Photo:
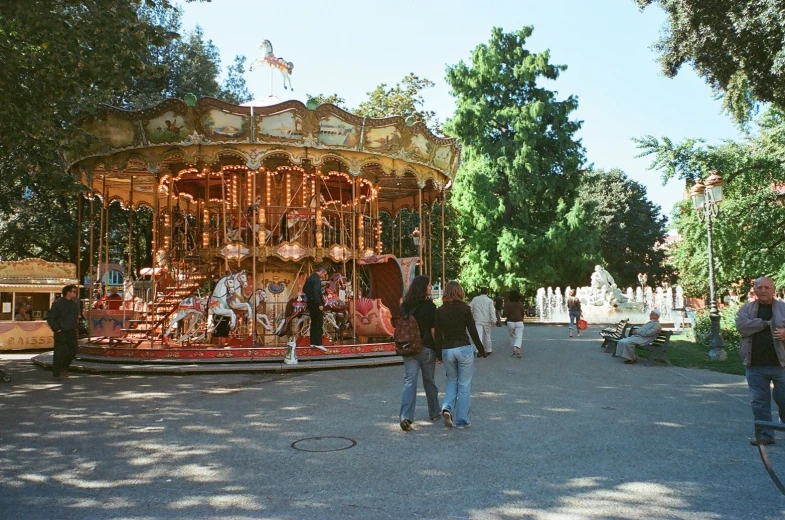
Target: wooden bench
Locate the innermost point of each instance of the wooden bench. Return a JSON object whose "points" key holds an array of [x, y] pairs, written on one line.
{"points": [[659, 348], [611, 335]]}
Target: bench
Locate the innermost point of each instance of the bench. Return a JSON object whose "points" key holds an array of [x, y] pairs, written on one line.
{"points": [[611, 335], [659, 347]]}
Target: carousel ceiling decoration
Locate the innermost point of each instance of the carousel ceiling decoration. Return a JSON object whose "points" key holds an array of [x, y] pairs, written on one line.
{"points": [[213, 135]]}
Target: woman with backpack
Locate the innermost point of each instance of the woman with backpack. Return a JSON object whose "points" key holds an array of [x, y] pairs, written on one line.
{"points": [[453, 320], [417, 303]]}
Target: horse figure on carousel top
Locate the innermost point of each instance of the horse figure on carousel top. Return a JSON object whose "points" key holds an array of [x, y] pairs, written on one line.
{"points": [[269, 59]]}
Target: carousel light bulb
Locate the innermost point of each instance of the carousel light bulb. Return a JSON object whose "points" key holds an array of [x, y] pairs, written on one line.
{"points": [[267, 189], [205, 239]]}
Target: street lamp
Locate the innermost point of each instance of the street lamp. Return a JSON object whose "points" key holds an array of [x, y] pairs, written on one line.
{"points": [[416, 238], [706, 200], [642, 279]]}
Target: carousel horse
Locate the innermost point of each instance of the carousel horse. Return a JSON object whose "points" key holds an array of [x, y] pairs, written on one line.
{"points": [[192, 307], [269, 59], [227, 297], [260, 306]]}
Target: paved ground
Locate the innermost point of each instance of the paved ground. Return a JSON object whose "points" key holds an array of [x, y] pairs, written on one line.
{"points": [[566, 432]]}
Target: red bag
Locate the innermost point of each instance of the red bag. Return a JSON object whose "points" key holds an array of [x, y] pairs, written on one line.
{"points": [[582, 324]]}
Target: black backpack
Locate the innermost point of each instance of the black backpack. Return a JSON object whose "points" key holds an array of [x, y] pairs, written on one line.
{"points": [[407, 336]]}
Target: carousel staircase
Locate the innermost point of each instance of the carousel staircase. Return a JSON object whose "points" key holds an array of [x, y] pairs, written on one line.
{"points": [[150, 325]]}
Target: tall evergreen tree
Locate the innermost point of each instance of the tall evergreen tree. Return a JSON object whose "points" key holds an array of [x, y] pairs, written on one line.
{"points": [[631, 227], [515, 191]]}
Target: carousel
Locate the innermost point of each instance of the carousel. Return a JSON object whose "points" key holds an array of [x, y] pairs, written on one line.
{"points": [[247, 201]]}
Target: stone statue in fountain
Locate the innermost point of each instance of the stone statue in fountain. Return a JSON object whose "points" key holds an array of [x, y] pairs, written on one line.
{"points": [[603, 289]]}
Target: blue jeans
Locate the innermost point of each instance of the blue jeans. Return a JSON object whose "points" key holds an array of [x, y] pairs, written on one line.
{"points": [[459, 365], [574, 317], [425, 361], [759, 379]]}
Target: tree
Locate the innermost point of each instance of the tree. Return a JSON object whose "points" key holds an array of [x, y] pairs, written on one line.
{"points": [[404, 99], [747, 235], [515, 190], [737, 46], [332, 99], [62, 62], [630, 226]]}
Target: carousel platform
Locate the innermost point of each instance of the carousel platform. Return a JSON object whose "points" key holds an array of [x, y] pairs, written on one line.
{"points": [[107, 359]]}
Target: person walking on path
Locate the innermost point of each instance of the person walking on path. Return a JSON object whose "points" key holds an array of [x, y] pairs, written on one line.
{"points": [[514, 311], [315, 302], [453, 320], [63, 319], [484, 313], [498, 303], [418, 304], [644, 334], [574, 310], [761, 324]]}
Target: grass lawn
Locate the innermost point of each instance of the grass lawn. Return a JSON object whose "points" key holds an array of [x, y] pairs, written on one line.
{"points": [[684, 352]]}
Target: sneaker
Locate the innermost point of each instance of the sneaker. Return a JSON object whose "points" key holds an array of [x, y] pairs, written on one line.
{"points": [[464, 426], [65, 374], [438, 415], [519, 354], [406, 425], [763, 442], [447, 418], [570, 332], [57, 377]]}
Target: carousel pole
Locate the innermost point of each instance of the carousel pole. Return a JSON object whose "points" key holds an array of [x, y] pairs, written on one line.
{"points": [[354, 259], [106, 228], [430, 242], [443, 260], [254, 216], [420, 227], [130, 228], [206, 209], [101, 228], [92, 276], [78, 236], [223, 212], [154, 242]]}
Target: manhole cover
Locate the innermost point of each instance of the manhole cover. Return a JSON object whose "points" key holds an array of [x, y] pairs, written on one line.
{"points": [[324, 444]]}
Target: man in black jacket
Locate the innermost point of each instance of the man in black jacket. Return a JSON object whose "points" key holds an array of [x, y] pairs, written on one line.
{"points": [[63, 318], [313, 294]]}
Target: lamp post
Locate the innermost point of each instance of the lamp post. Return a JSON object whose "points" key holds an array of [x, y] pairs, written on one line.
{"points": [[706, 199], [642, 279]]}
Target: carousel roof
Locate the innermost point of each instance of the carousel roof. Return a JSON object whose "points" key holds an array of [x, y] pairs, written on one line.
{"points": [[132, 150]]}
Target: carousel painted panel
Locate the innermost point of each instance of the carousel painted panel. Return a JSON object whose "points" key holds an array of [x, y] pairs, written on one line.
{"points": [[286, 125], [167, 128], [419, 148], [218, 125], [386, 139], [443, 158], [35, 268], [111, 133], [25, 335], [336, 132]]}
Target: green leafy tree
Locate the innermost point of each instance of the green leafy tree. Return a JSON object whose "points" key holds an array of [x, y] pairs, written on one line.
{"points": [[333, 99], [631, 227], [404, 99], [737, 46], [61, 61], [515, 191], [747, 234]]}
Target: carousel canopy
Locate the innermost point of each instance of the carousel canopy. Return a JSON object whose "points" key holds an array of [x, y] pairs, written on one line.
{"points": [[132, 151]]}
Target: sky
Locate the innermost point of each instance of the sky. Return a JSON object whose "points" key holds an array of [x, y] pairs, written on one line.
{"points": [[350, 47]]}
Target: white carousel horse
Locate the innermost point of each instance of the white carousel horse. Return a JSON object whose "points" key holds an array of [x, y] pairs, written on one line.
{"points": [[227, 297], [269, 59]]}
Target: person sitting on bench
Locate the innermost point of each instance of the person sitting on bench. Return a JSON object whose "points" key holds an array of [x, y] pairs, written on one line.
{"points": [[644, 334]]}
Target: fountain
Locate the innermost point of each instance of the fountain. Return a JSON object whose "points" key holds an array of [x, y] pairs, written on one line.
{"points": [[602, 302]]}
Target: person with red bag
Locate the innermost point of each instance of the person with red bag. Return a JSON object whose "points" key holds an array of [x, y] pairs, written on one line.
{"points": [[575, 311]]}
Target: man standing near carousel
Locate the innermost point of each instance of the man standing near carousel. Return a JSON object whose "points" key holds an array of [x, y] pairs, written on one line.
{"points": [[313, 294], [63, 320]]}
